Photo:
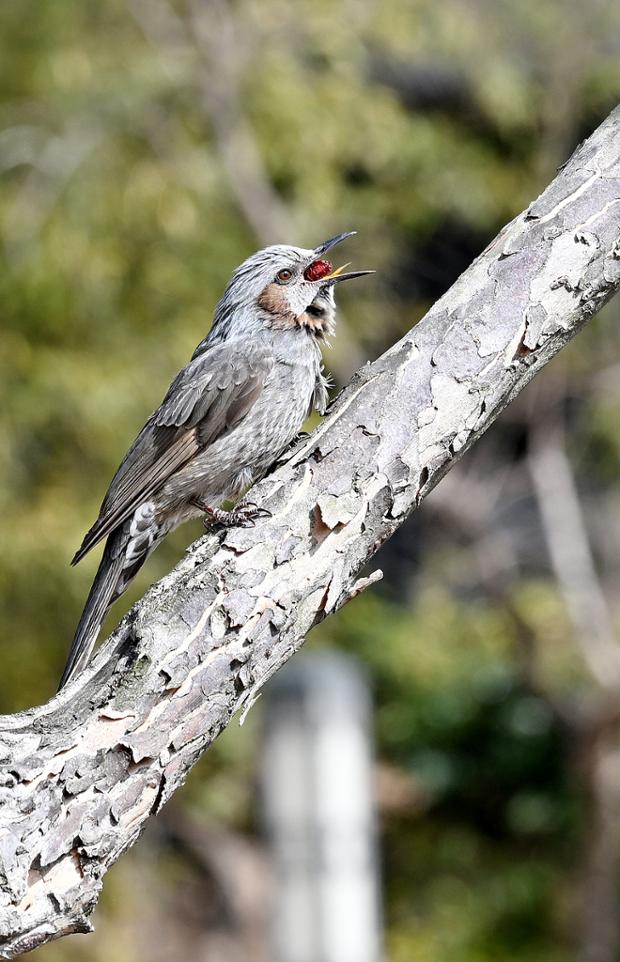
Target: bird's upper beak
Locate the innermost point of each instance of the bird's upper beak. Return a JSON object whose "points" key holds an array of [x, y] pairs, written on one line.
{"points": [[338, 274], [328, 244]]}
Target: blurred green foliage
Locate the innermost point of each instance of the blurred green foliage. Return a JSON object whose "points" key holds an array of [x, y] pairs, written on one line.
{"points": [[424, 126]]}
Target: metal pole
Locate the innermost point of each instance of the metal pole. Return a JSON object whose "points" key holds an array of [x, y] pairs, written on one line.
{"points": [[319, 812]]}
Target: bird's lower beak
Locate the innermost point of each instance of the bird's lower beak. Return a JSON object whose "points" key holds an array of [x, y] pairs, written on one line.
{"points": [[328, 244], [339, 275]]}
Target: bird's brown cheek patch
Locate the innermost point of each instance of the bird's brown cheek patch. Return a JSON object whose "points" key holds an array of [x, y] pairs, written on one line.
{"points": [[274, 301]]}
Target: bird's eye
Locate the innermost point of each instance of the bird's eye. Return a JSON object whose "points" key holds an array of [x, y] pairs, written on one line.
{"points": [[284, 276]]}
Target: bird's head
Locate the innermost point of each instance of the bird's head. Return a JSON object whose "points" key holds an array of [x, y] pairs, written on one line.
{"points": [[283, 288]]}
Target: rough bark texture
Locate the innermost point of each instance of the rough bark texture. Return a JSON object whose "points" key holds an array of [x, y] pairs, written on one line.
{"points": [[80, 775]]}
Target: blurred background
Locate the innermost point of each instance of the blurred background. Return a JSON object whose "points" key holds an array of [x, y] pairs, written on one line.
{"points": [[146, 148]]}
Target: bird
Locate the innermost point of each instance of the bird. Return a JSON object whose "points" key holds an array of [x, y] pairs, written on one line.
{"points": [[226, 418]]}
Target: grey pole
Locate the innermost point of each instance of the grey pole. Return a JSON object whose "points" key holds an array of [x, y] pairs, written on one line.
{"points": [[319, 812]]}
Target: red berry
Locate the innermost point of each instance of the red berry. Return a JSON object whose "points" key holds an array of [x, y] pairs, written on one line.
{"points": [[317, 269]]}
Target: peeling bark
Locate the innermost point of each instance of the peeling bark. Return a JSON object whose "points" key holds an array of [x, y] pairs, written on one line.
{"points": [[80, 775]]}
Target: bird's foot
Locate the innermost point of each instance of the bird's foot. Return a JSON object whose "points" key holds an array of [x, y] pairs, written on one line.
{"points": [[244, 515]]}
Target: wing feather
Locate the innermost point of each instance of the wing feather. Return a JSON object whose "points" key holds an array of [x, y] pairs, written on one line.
{"points": [[209, 397]]}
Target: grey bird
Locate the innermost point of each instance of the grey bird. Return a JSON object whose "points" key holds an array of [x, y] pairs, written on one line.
{"points": [[227, 416]]}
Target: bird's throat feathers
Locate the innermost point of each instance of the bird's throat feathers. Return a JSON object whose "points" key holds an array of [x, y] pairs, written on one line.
{"points": [[315, 320]]}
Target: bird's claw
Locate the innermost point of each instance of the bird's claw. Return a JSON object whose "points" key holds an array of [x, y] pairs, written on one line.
{"points": [[243, 516], [248, 513]]}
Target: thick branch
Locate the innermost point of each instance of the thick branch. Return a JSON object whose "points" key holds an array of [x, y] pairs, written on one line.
{"points": [[80, 776]]}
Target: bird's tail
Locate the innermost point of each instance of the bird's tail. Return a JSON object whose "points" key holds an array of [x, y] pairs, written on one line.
{"points": [[110, 582]]}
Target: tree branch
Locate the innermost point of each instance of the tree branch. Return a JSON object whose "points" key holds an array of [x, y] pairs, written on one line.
{"points": [[80, 775], [570, 552]]}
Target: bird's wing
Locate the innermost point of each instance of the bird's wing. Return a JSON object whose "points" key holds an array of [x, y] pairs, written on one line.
{"points": [[208, 398]]}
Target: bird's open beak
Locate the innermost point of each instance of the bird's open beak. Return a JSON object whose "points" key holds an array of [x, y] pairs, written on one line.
{"points": [[338, 275]]}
